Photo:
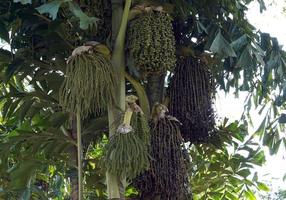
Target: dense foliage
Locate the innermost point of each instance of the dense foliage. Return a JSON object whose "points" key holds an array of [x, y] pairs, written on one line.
{"points": [[38, 138]]}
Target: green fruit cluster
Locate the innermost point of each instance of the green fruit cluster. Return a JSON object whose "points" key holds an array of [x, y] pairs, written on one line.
{"points": [[151, 43], [141, 127], [126, 155], [88, 85]]}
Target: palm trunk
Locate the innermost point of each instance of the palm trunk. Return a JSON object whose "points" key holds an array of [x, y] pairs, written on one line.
{"points": [[115, 187]]}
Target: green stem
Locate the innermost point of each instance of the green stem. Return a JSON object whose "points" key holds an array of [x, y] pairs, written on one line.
{"points": [[65, 132], [127, 116], [120, 40], [79, 156], [114, 111]]}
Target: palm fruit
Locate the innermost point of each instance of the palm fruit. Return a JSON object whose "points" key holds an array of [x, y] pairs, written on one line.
{"points": [[89, 81], [141, 127], [191, 98], [167, 178], [151, 42], [126, 154]]}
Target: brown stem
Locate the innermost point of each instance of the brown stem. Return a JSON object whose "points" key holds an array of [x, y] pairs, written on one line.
{"points": [[74, 187], [73, 174], [155, 88]]}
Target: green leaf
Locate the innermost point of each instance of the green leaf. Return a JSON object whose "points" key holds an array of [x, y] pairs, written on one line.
{"points": [[262, 5], [263, 187], [51, 8], [5, 56], [259, 54], [268, 138], [249, 195], [26, 194], [265, 41], [84, 20], [54, 81], [13, 107], [261, 129], [221, 46], [4, 33], [34, 110], [58, 119], [231, 196], [244, 173], [245, 58], [255, 177], [258, 158], [201, 28], [240, 42], [97, 125], [6, 107], [275, 148], [22, 173], [14, 67], [23, 110], [23, 1]]}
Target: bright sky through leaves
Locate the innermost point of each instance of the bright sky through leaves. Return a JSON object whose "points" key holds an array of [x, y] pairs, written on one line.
{"points": [[271, 21]]}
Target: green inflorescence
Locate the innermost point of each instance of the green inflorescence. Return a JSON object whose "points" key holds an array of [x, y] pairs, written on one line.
{"points": [[140, 123], [152, 42], [88, 85], [126, 155]]}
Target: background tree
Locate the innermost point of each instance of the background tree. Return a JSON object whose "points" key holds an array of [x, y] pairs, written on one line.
{"points": [[215, 45]]}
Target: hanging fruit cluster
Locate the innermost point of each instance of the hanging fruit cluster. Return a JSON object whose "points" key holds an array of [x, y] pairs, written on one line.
{"points": [[89, 81], [141, 127], [167, 177], [126, 154], [191, 98], [151, 42]]}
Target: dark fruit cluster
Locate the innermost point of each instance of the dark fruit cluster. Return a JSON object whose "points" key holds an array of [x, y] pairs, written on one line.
{"points": [[191, 99], [168, 176]]}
